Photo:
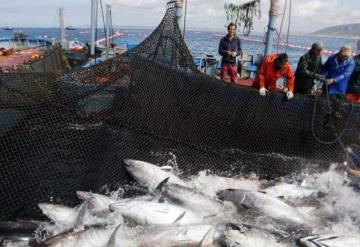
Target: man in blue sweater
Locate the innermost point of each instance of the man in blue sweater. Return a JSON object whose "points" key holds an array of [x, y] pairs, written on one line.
{"points": [[337, 71], [229, 49]]}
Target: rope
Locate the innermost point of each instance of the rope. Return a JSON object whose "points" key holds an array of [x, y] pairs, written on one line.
{"points": [[338, 136], [289, 27], [103, 18]]}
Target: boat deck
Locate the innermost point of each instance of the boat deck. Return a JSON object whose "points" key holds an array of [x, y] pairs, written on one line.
{"points": [[18, 57]]}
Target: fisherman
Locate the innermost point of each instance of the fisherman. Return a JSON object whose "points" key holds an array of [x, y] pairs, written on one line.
{"points": [[353, 93], [229, 49], [273, 68], [309, 69], [337, 71]]}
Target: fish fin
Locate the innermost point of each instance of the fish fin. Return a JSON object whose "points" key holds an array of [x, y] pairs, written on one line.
{"points": [[79, 221], [207, 240], [161, 184], [111, 242], [179, 218]]}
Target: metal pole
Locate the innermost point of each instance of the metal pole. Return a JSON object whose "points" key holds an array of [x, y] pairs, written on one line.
{"points": [[108, 20], [179, 14], [62, 29], [93, 30], [273, 14], [185, 15]]}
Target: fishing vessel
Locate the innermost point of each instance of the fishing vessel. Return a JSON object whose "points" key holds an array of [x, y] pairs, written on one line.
{"points": [[20, 49], [8, 28], [70, 28]]}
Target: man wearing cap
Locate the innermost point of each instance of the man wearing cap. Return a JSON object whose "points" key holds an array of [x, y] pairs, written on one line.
{"points": [[309, 69], [337, 71]]}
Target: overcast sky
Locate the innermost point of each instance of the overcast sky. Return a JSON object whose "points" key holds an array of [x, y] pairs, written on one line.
{"points": [[308, 15]]}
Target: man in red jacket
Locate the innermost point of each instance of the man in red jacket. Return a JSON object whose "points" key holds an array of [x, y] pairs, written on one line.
{"points": [[272, 68]]}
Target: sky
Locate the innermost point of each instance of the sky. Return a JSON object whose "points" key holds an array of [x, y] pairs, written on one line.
{"points": [[308, 15]]}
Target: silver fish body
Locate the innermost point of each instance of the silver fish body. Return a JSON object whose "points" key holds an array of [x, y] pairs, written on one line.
{"points": [[92, 237], [145, 212], [247, 236], [264, 204], [59, 214], [290, 191], [165, 236], [97, 204]]}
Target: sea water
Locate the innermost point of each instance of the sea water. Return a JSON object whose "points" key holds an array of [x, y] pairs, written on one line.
{"points": [[336, 211]]}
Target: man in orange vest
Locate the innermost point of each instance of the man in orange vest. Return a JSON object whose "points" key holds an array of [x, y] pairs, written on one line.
{"points": [[272, 68]]}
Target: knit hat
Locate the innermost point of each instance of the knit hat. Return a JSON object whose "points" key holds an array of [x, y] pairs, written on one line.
{"points": [[317, 46]]}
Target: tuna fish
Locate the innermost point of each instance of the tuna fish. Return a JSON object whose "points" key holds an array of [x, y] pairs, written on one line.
{"points": [[264, 204], [248, 236], [165, 236], [150, 175], [329, 241], [193, 200], [210, 184], [144, 212], [97, 204], [60, 214], [290, 191], [148, 236], [92, 237]]}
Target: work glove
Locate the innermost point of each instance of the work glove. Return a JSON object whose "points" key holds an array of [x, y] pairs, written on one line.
{"points": [[263, 91], [289, 95]]}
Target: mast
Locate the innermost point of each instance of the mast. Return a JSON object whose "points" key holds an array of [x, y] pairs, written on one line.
{"points": [[179, 14], [108, 20], [94, 4], [63, 41], [273, 14]]}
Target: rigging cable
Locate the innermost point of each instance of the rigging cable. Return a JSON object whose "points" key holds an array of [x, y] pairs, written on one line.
{"points": [[281, 26], [289, 27]]}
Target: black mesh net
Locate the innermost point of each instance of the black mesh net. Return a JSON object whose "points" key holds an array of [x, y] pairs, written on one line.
{"points": [[70, 130]]}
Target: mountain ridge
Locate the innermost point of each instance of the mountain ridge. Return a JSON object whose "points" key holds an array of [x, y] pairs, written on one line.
{"points": [[348, 31]]}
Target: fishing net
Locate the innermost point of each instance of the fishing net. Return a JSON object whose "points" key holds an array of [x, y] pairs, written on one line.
{"points": [[70, 130]]}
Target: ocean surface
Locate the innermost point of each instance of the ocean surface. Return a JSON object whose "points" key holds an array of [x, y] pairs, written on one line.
{"points": [[199, 42]]}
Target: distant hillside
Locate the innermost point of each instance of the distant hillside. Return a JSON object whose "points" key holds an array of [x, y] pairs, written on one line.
{"points": [[349, 31]]}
